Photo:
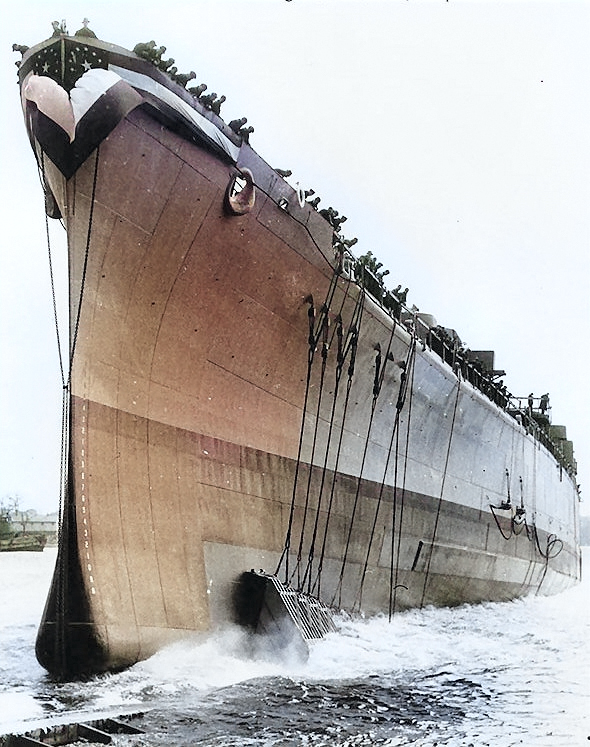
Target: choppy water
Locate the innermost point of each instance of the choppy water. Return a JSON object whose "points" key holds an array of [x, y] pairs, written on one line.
{"points": [[495, 674]]}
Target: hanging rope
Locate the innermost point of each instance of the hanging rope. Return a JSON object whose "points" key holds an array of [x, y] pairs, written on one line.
{"points": [[63, 529], [553, 544], [440, 499], [313, 337], [505, 535], [377, 387], [341, 357], [52, 281], [518, 525], [394, 583], [504, 506], [85, 266], [310, 357], [350, 348], [342, 352], [393, 520], [554, 547], [41, 168], [339, 363], [324, 355], [62, 522], [338, 590], [400, 403], [517, 516]]}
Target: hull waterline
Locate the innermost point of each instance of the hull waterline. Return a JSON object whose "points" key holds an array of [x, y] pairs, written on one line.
{"points": [[241, 395]]}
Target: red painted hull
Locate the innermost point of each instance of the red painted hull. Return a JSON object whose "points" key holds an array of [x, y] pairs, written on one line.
{"points": [[208, 435]]}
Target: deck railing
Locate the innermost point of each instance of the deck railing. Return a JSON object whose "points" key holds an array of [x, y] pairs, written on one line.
{"points": [[447, 345]]}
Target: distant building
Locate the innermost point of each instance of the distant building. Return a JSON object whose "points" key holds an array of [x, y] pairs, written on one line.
{"points": [[33, 523]]}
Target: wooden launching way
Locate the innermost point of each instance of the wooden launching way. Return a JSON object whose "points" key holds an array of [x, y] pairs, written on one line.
{"points": [[97, 731]]}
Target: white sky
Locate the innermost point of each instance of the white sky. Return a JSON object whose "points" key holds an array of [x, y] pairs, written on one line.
{"points": [[454, 136]]}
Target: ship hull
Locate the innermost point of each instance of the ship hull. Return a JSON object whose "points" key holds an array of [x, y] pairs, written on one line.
{"points": [[237, 401]]}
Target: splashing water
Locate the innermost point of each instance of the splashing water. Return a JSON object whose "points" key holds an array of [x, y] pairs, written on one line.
{"points": [[506, 674]]}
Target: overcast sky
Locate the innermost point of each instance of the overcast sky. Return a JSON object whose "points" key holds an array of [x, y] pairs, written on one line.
{"points": [[454, 136]]}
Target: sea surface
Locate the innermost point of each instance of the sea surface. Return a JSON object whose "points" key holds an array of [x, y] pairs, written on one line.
{"points": [[506, 674]]}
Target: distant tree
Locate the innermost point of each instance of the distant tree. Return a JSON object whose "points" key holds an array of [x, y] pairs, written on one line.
{"points": [[9, 504], [25, 517]]}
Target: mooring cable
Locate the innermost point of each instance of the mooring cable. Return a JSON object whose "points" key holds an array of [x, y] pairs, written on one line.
{"points": [[396, 585], [440, 499]]}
